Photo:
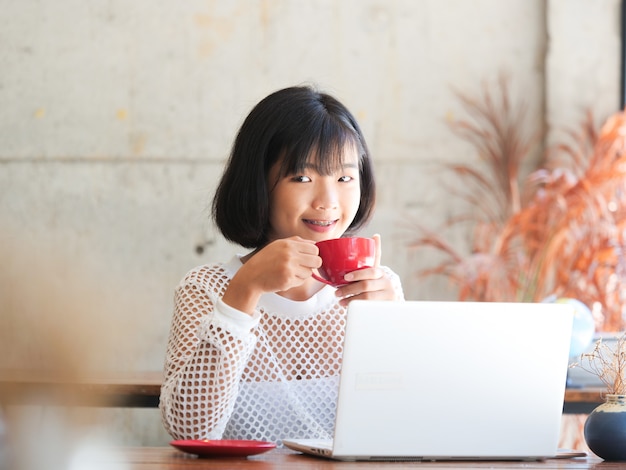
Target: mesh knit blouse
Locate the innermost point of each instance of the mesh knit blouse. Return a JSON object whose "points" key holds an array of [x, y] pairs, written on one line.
{"points": [[267, 376]]}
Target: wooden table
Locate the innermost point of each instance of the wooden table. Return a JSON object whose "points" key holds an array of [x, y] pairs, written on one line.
{"points": [[582, 400], [142, 390], [164, 458], [117, 389]]}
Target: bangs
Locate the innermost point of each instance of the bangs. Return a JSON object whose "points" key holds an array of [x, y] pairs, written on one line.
{"points": [[323, 148]]}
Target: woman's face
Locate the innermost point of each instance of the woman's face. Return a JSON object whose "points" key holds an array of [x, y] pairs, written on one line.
{"points": [[314, 206]]}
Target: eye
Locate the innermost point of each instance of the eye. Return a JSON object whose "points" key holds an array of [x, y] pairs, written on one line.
{"points": [[301, 179], [345, 179]]}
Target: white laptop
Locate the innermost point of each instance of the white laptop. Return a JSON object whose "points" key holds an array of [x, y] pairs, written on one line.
{"points": [[450, 381]]}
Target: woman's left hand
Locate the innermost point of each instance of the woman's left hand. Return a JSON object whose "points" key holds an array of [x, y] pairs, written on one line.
{"points": [[368, 283]]}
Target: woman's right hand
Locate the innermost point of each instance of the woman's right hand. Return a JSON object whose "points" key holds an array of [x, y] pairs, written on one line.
{"points": [[279, 266]]}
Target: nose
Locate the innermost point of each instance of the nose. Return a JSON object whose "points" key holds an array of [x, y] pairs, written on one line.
{"points": [[326, 196]]}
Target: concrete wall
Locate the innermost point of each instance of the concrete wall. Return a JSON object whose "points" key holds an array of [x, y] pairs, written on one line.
{"points": [[116, 118]]}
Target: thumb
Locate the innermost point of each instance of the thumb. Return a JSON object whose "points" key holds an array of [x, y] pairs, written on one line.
{"points": [[378, 244]]}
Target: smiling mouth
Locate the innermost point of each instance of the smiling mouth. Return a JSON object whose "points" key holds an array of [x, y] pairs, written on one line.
{"points": [[320, 223]]}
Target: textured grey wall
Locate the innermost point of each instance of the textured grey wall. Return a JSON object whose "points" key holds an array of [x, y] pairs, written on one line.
{"points": [[117, 116]]}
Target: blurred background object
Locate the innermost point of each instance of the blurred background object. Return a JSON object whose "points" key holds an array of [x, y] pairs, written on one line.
{"points": [[55, 326]]}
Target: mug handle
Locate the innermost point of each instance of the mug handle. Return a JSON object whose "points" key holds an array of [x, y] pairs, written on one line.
{"points": [[321, 279]]}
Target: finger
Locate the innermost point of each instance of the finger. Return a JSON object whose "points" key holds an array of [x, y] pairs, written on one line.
{"points": [[371, 282], [369, 295], [304, 240], [378, 244], [363, 274], [308, 249], [294, 247], [311, 261]]}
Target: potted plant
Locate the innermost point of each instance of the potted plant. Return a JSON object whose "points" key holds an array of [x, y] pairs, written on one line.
{"points": [[605, 427], [560, 231]]}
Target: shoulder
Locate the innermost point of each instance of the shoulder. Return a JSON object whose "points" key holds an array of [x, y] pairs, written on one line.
{"points": [[212, 277], [203, 274]]}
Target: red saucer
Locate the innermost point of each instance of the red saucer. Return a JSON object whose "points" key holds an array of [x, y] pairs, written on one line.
{"points": [[222, 447]]}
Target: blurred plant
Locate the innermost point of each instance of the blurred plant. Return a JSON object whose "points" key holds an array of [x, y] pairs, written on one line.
{"points": [[563, 233]]}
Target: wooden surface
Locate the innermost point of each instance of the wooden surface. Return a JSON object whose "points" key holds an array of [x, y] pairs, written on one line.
{"points": [[121, 389], [582, 400], [167, 458], [142, 389]]}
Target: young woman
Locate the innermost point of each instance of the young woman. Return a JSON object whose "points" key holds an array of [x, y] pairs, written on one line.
{"points": [[256, 343]]}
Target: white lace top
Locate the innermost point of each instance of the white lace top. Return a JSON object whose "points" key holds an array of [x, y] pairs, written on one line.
{"points": [[268, 376]]}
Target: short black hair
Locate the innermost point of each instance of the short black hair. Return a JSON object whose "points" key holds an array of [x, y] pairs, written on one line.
{"points": [[289, 125]]}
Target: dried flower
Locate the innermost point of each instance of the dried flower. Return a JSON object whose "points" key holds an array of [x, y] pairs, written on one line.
{"points": [[561, 230], [608, 363]]}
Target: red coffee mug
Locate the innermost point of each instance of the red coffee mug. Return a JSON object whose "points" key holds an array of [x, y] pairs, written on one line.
{"points": [[343, 255]]}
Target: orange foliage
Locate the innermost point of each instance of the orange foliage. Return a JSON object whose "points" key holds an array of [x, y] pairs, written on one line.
{"points": [[566, 236]]}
